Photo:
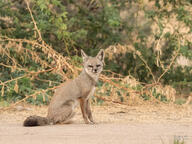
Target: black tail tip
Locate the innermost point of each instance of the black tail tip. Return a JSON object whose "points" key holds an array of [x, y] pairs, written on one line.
{"points": [[31, 121]]}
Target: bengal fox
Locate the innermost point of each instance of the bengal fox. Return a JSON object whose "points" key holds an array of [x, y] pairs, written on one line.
{"points": [[66, 97]]}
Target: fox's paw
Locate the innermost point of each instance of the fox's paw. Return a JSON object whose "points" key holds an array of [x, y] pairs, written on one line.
{"points": [[92, 122]]}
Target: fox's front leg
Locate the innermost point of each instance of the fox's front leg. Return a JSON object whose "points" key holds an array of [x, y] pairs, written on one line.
{"points": [[88, 108], [83, 110], [88, 111]]}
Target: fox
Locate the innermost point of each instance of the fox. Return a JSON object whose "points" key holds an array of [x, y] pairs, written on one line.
{"points": [[66, 97]]}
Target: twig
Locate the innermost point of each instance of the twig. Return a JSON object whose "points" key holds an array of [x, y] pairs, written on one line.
{"points": [[103, 77], [189, 99], [150, 71], [172, 61], [26, 75], [109, 100], [34, 22], [3, 83], [28, 96]]}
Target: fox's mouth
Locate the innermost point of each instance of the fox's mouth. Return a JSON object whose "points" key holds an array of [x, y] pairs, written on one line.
{"points": [[95, 73]]}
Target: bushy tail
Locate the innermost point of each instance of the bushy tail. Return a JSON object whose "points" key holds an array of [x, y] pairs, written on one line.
{"points": [[36, 121]]}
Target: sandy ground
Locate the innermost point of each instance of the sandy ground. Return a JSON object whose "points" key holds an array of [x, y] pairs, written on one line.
{"points": [[116, 125]]}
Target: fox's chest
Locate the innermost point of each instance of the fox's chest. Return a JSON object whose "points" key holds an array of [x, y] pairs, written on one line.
{"points": [[87, 92], [90, 94]]}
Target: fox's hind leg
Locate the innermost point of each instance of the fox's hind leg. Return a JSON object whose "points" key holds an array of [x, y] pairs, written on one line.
{"points": [[64, 113]]}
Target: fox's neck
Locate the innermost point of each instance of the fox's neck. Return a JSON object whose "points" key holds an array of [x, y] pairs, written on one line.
{"points": [[87, 78]]}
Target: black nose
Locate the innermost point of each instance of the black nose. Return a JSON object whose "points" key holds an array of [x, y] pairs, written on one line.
{"points": [[95, 70]]}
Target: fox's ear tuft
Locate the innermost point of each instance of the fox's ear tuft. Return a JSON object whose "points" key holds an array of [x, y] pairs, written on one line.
{"points": [[101, 55], [84, 56]]}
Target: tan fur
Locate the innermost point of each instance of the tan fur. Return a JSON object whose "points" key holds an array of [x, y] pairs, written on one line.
{"points": [[65, 99]]}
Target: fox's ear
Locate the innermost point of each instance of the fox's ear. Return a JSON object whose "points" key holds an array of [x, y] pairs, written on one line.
{"points": [[84, 56], [101, 55]]}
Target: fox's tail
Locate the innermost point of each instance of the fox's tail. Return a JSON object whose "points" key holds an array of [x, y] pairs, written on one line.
{"points": [[36, 121]]}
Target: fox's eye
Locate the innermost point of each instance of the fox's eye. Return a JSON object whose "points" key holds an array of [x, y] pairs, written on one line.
{"points": [[90, 66], [98, 65]]}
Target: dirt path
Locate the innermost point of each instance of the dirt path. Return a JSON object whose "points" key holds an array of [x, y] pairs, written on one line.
{"points": [[117, 125]]}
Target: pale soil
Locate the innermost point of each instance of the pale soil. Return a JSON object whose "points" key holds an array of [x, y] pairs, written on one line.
{"points": [[116, 125]]}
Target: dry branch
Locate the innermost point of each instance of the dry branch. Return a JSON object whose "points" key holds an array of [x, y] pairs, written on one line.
{"points": [[109, 100], [147, 66], [34, 22], [46, 49], [28, 96], [172, 61]]}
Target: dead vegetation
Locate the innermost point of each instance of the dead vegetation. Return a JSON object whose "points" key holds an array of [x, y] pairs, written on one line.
{"points": [[118, 89]]}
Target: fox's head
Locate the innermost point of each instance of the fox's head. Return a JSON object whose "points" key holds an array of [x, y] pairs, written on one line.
{"points": [[93, 66]]}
